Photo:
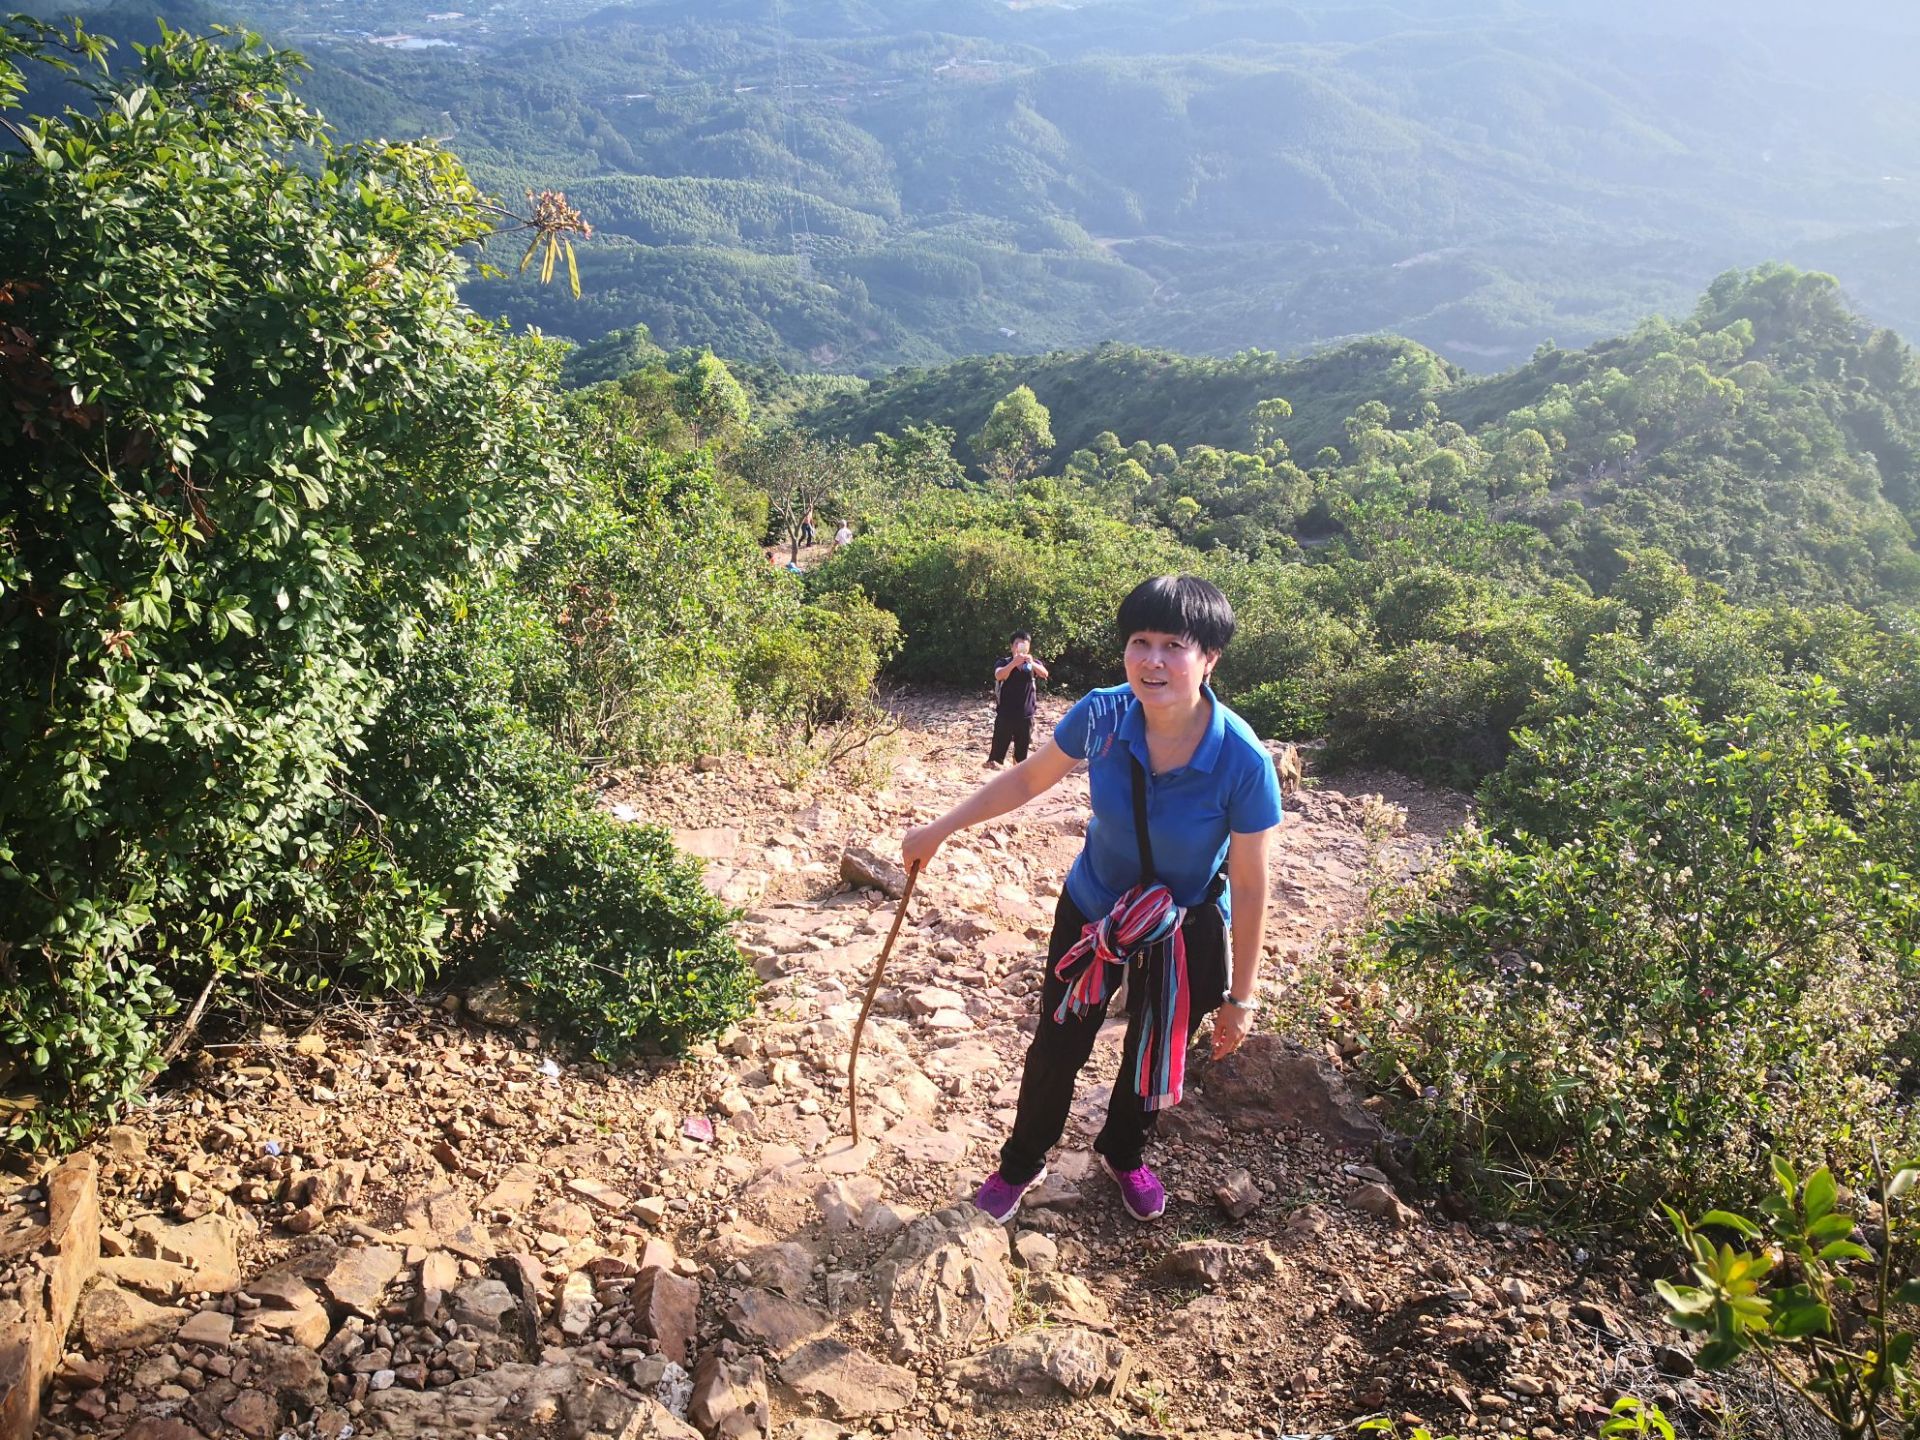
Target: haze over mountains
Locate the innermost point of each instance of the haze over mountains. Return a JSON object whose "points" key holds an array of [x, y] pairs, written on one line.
{"points": [[844, 186]]}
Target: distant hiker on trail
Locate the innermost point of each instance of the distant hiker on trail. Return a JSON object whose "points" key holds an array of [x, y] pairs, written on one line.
{"points": [[1014, 700], [1184, 804], [844, 535], [806, 527]]}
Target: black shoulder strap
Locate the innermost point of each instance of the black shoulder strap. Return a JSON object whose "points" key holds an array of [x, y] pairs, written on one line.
{"points": [[1140, 819]]}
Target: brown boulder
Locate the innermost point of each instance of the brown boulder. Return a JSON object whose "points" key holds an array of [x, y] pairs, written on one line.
{"points": [[1271, 1084], [848, 1383], [666, 1308], [730, 1396], [113, 1319], [864, 869]]}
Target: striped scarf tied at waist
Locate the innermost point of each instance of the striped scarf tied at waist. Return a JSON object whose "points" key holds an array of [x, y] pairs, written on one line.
{"points": [[1143, 925]]}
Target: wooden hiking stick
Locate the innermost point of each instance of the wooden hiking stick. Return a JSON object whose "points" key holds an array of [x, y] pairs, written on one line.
{"points": [[873, 987]]}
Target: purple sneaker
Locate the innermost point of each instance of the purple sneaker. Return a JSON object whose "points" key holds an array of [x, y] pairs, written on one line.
{"points": [[1000, 1199], [1140, 1191]]}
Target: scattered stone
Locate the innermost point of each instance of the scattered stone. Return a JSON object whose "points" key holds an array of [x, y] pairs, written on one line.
{"points": [[575, 1309], [208, 1328], [599, 1194], [1376, 1199], [253, 1413], [562, 1399], [784, 1266], [1037, 1253], [848, 1383], [1237, 1195], [498, 1003], [1199, 1262], [208, 1246]]}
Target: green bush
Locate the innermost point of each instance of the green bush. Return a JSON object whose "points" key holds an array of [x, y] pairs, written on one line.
{"points": [[962, 571], [261, 675], [253, 432], [1705, 950], [820, 670], [1827, 1317], [613, 934]]}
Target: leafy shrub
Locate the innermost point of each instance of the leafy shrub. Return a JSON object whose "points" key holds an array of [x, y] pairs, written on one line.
{"points": [[254, 432], [1684, 942], [962, 571], [617, 940], [821, 669], [1817, 1307], [260, 678]]}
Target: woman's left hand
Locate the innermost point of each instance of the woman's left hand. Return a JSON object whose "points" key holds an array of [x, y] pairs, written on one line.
{"points": [[1230, 1027]]}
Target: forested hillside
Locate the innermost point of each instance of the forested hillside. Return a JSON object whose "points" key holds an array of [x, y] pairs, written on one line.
{"points": [[849, 187]]}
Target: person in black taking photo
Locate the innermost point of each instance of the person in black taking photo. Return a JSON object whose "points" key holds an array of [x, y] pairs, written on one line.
{"points": [[1015, 683]]}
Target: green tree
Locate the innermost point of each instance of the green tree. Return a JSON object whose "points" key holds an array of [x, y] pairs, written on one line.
{"points": [[1016, 440], [712, 402]]}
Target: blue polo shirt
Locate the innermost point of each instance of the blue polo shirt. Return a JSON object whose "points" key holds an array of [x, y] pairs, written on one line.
{"points": [[1227, 788]]}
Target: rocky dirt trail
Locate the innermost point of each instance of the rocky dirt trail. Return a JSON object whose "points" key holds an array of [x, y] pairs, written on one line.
{"points": [[423, 1222]]}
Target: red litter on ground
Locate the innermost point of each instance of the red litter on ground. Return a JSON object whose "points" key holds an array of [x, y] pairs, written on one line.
{"points": [[697, 1127]]}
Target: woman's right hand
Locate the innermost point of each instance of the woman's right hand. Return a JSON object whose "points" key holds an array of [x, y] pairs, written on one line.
{"points": [[917, 846]]}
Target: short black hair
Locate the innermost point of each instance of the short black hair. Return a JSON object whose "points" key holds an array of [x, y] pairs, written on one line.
{"points": [[1178, 605], [1020, 635]]}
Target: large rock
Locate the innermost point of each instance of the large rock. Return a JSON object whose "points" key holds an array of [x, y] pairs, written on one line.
{"points": [[848, 1383], [730, 1396], [944, 1284], [34, 1319], [666, 1308], [359, 1276], [1272, 1084], [497, 1002], [112, 1319], [1042, 1362], [773, 1322], [564, 1400], [208, 1246], [860, 867]]}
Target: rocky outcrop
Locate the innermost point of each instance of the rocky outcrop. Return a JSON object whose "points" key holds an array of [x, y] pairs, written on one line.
{"points": [[46, 1260], [944, 1284]]}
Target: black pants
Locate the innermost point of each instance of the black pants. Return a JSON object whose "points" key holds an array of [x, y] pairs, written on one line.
{"points": [[1015, 730], [1058, 1051]]}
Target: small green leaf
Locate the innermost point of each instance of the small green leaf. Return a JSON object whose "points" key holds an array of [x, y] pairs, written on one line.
{"points": [[1820, 1193]]}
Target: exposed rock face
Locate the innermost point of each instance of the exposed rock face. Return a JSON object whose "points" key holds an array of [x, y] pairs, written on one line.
{"points": [[1272, 1084], [62, 1248], [944, 1284]]}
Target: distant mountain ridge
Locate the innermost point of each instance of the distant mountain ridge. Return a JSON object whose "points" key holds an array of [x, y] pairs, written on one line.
{"points": [[850, 187]]}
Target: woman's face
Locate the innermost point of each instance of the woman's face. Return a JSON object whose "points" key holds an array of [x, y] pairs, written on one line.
{"points": [[1167, 670]]}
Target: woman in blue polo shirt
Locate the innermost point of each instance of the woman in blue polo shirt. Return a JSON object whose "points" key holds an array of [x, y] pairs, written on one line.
{"points": [[1211, 800]]}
